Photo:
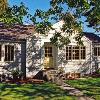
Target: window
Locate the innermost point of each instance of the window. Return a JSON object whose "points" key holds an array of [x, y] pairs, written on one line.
{"points": [[0, 52], [9, 53], [83, 52], [96, 51], [48, 51], [68, 53], [75, 52]]}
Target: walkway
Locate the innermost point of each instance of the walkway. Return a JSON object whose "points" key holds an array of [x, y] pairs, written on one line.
{"points": [[75, 92], [59, 79]]}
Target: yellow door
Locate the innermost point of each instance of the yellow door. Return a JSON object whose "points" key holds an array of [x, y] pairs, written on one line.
{"points": [[48, 60]]}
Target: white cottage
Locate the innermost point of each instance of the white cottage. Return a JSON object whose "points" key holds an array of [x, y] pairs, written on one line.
{"points": [[22, 48]]}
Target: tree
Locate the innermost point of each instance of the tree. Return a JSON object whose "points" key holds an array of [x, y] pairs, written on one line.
{"points": [[3, 6], [71, 12], [14, 15]]}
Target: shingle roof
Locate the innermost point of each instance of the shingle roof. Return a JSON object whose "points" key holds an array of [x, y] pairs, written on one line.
{"points": [[20, 32], [16, 32], [93, 37]]}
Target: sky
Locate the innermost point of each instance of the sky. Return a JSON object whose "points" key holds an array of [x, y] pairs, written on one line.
{"points": [[39, 4], [32, 4]]}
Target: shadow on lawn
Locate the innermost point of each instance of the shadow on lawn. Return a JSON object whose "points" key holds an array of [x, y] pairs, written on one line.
{"points": [[90, 87], [46, 91]]}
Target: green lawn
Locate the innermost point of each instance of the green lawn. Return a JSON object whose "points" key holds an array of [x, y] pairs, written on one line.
{"points": [[90, 86], [46, 91]]}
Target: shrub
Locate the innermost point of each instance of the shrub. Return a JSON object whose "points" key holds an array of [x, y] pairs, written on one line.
{"points": [[17, 74]]}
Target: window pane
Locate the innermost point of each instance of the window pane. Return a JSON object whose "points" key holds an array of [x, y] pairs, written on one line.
{"points": [[68, 53], [9, 53], [98, 51], [48, 51], [49, 55], [95, 51], [76, 52], [45, 55], [83, 53], [12, 53], [77, 47], [6, 52], [66, 49], [45, 50]]}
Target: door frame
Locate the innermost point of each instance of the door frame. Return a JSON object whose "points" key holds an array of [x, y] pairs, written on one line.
{"points": [[53, 56]]}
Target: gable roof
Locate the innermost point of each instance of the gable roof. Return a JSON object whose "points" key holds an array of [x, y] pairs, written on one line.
{"points": [[21, 32], [17, 32], [92, 37]]}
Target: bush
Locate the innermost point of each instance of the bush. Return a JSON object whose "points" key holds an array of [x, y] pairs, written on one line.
{"points": [[17, 74], [98, 71]]}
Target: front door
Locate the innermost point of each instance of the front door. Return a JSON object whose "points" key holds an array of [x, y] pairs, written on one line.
{"points": [[49, 59]]}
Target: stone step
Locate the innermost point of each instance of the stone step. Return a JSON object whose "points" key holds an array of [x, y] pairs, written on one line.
{"points": [[84, 98], [72, 90], [76, 92], [54, 76]]}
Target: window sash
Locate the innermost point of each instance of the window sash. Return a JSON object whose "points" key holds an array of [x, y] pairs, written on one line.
{"points": [[75, 52], [9, 53], [96, 51], [48, 51]]}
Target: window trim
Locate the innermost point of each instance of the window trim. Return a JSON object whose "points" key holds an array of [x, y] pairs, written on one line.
{"points": [[72, 54]]}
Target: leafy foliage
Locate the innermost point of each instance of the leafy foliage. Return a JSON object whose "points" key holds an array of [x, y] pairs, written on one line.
{"points": [[93, 14], [70, 11], [3, 6], [13, 15]]}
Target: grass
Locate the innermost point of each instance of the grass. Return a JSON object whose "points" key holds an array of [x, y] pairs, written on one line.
{"points": [[46, 91], [89, 86]]}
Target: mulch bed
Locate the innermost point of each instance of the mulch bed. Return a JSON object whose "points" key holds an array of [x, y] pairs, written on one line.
{"points": [[25, 81]]}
